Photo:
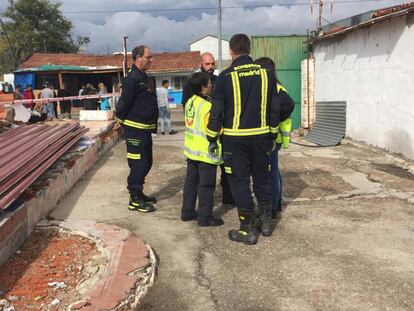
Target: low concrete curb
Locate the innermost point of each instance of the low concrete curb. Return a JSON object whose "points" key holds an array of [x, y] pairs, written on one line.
{"points": [[123, 274]]}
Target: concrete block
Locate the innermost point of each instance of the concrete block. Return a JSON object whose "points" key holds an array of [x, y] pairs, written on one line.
{"points": [[10, 220], [13, 232], [96, 115]]}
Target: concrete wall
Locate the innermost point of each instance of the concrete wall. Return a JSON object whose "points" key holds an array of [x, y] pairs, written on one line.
{"points": [[372, 70], [210, 44], [304, 93]]}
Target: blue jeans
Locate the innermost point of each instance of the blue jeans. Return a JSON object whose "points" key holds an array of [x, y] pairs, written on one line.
{"points": [[165, 116], [276, 179], [49, 108]]}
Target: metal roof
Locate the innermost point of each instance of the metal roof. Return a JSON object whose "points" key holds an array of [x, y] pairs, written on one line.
{"points": [[162, 63], [27, 151], [363, 20]]}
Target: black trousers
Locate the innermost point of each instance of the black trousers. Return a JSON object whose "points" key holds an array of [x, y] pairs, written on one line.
{"points": [[245, 157], [200, 182], [225, 186], [65, 106], [139, 155]]}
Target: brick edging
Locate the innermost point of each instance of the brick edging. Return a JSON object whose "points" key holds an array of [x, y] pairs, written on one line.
{"points": [[128, 271]]}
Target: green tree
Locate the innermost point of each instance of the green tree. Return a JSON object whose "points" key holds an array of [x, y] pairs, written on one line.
{"points": [[34, 26]]}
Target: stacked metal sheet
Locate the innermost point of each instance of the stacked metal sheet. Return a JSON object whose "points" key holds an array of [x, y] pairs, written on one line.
{"points": [[29, 150], [330, 124]]}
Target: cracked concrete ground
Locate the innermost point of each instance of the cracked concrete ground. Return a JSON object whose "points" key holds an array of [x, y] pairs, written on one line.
{"points": [[345, 240]]}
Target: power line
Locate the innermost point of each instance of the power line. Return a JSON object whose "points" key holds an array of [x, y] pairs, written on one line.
{"points": [[210, 8]]}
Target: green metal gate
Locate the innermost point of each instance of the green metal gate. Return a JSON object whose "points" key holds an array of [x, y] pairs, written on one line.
{"points": [[287, 52]]}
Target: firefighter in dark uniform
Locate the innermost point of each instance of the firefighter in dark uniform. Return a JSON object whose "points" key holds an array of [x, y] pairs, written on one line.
{"points": [[245, 106], [137, 111], [208, 65]]}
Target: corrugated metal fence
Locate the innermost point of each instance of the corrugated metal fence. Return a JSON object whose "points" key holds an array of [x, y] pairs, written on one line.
{"points": [[330, 124], [287, 52]]}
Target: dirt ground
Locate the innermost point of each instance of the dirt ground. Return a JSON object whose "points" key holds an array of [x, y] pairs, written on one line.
{"points": [[345, 240], [44, 273]]}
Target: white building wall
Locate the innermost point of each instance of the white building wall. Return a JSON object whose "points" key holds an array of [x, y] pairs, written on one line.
{"points": [[372, 69], [210, 44], [308, 113]]}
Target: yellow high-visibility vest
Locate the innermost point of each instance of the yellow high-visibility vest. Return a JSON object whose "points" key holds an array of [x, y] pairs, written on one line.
{"points": [[285, 127], [197, 111]]}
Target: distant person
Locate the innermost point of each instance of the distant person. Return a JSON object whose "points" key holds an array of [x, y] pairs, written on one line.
{"points": [[82, 90], [49, 107], [90, 103], [164, 108], [104, 102], [79, 102], [65, 105], [28, 94], [18, 93]]}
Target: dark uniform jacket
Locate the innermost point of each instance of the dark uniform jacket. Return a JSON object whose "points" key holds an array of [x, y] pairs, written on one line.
{"points": [[244, 101], [137, 107]]}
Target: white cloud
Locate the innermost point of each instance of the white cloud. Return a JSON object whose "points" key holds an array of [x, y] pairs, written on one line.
{"points": [[173, 30]]}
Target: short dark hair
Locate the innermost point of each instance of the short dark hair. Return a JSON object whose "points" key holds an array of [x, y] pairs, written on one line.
{"points": [[266, 63], [240, 44], [164, 82], [138, 51], [197, 81], [269, 64]]}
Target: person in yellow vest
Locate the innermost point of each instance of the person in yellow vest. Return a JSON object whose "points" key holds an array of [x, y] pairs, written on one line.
{"points": [[286, 108], [201, 164]]}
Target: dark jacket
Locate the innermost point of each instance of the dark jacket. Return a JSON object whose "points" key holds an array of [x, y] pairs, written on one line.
{"points": [[137, 107], [90, 103], [187, 94], [244, 101]]}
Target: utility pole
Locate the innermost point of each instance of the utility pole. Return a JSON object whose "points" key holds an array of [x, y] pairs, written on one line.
{"points": [[308, 76], [220, 56], [320, 15], [125, 57]]}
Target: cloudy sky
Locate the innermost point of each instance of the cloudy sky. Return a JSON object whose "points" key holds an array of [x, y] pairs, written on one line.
{"points": [[169, 25]]}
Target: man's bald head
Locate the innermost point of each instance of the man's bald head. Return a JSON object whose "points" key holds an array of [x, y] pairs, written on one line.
{"points": [[208, 63]]}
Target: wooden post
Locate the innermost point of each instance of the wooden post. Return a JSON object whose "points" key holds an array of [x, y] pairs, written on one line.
{"points": [[60, 80]]}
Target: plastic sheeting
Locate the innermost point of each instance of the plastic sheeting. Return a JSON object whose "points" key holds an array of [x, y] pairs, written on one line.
{"points": [[24, 79]]}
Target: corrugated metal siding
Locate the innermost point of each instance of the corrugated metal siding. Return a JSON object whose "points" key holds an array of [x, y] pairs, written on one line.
{"points": [[330, 124], [287, 52]]}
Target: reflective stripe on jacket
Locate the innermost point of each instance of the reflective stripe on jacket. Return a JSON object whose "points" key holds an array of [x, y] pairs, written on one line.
{"points": [[242, 101], [197, 111], [285, 127]]}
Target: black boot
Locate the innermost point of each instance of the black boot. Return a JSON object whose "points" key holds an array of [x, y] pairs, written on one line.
{"points": [[248, 233], [266, 219], [147, 199], [137, 203]]}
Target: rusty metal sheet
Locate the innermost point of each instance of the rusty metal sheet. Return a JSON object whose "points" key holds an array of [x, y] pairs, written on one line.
{"points": [[25, 166]]}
